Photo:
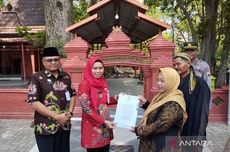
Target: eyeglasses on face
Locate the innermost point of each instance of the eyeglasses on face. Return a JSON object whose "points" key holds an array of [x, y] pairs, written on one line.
{"points": [[52, 60]]}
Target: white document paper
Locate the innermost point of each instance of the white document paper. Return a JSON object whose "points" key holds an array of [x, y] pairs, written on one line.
{"points": [[127, 110]]}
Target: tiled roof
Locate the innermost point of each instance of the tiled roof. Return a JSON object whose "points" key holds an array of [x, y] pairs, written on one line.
{"points": [[24, 13], [12, 40], [9, 34], [12, 30], [129, 14]]}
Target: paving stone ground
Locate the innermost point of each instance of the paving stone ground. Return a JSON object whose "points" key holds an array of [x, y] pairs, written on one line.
{"points": [[16, 135]]}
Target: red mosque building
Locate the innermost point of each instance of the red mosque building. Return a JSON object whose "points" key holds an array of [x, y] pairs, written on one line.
{"points": [[19, 59]]}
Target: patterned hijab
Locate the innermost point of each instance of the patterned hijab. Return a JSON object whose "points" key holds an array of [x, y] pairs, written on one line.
{"points": [[171, 93], [98, 85]]}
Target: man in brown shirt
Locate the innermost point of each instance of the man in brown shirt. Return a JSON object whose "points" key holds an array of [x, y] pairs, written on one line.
{"points": [[52, 97]]}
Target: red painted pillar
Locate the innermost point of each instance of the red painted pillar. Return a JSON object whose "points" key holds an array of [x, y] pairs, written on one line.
{"points": [[23, 62], [32, 60], [76, 51], [147, 83], [39, 59], [161, 51], [4, 62]]}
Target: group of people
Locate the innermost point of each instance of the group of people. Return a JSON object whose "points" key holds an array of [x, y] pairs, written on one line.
{"points": [[180, 109]]}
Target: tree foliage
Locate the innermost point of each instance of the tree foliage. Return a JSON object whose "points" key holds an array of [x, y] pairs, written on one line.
{"points": [[1, 4], [38, 40], [79, 10], [224, 42], [58, 16], [203, 21]]}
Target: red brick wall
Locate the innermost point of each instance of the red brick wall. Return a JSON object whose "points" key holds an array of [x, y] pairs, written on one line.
{"points": [[13, 105], [219, 110]]}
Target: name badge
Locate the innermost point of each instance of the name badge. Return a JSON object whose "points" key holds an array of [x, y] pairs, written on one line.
{"points": [[67, 95]]}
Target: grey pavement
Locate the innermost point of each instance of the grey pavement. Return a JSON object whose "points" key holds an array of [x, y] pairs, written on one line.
{"points": [[16, 135]]}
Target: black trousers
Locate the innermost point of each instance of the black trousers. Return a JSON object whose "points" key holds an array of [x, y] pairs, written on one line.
{"points": [[101, 149], [58, 142]]}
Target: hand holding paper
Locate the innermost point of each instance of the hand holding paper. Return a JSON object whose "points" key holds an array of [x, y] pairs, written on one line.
{"points": [[126, 112]]}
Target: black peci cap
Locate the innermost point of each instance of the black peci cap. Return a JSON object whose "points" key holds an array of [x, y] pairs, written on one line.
{"points": [[50, 51]]}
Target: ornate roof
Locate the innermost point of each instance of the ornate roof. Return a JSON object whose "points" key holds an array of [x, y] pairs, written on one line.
{"points": [[129, 14], [21, 13]]}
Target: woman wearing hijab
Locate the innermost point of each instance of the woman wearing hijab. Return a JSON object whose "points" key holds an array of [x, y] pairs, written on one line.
{"points": [[164, 115], [96, 126]]}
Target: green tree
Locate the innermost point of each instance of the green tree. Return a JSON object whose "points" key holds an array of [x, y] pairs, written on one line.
{"points": [[92, 2], [224, 38], [58, 16], [38, 40], [79, 10], [1, 4], [204, 21], [209, 42]]}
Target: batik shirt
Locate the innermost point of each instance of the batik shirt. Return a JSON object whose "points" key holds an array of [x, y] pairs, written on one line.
{"points": [[94, 133], [55, 94], [162, 124]]}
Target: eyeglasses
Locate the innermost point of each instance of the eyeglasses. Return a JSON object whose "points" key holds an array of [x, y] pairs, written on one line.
{"points": [[190, 50], [52, 60]]}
